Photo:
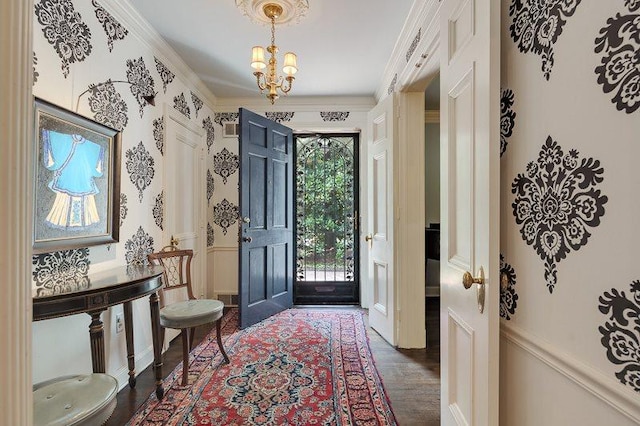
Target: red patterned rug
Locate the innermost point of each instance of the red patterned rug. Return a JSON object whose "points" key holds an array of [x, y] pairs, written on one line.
{"points": [[299, 367]]}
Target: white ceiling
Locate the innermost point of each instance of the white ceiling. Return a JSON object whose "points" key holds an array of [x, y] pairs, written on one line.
{"points": [[343, 46]]}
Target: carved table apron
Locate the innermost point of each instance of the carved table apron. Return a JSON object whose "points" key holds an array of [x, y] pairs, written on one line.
{"points": [[106, 289]]}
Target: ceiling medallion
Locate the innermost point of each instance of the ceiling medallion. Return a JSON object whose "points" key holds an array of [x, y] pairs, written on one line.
{"points": [[292, 10]]}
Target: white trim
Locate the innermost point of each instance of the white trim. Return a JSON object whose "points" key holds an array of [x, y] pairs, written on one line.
{"points": [[299, 104], [222, 248], [127, 15], [420, 13], [593, 381], [16, 115]]}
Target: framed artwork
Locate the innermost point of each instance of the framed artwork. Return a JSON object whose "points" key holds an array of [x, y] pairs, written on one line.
{"points": [[76, 180]]}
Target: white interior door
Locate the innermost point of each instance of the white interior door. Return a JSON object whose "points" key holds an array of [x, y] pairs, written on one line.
{"points": [[470, 76], [184, 193], [379, 239]]}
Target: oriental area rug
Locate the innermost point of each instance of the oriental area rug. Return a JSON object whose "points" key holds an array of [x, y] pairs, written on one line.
{"points": [[299, 367]]}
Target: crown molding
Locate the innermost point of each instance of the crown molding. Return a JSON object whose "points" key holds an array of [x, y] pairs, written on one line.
{"points": [[418, 18], [299, 103], [127, 15]]}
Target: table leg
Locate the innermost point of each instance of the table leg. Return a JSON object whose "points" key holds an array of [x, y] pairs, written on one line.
{"points": [[128, 331], [96, 334], [157, 346]]}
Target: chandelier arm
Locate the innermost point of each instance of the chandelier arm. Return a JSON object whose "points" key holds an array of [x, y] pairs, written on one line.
{"points": [[262, 84], [287, 88]]}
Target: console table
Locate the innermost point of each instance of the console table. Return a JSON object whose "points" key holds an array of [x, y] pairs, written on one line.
{"points": [[106, 289]]}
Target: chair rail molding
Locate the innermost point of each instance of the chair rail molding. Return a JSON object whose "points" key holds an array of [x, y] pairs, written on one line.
{"points": [[16, 81], [611, 392]]}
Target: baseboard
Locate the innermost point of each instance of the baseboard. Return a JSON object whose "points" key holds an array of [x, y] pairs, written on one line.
{"points": [[593, 381], [142, 361]]}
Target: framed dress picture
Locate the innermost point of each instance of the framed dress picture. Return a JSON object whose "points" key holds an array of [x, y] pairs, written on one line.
{"points": [[76, 180]]}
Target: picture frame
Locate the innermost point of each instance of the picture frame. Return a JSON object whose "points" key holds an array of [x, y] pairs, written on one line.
{"points": [[76, 191]]}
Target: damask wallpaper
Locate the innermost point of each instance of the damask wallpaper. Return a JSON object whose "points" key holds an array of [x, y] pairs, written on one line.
{"points": [[569, 136]]}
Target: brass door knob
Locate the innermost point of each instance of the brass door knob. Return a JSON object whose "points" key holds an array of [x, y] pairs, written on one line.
{"points": [[369, 237], [174, 241], [468, 280], [246, 219]]}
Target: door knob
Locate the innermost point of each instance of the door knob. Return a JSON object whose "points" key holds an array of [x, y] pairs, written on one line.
{"points": [[174, 241], [368, 237], [246, 219], [504, 281], [247, 239], [468, 280]]}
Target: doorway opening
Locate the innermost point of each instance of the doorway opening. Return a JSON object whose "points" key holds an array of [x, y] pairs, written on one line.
{"points": [[432, 213], [326, 224]]}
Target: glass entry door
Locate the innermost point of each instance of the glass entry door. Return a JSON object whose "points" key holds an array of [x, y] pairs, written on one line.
{"points": [[326, 219]]}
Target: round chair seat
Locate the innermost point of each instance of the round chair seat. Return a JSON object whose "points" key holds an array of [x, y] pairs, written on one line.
{"points": [[75, 400], [191, 313]]}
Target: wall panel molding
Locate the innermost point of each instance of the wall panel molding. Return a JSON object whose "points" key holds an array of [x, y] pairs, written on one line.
{"points": [[591, 380]]}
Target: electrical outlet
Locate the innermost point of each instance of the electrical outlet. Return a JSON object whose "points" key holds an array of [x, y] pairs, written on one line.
{"points": [[119, 323]]}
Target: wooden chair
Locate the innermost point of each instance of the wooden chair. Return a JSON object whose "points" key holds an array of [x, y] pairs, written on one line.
{"points": [[187, 314]]}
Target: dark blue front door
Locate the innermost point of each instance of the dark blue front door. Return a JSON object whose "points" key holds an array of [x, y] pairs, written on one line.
{"points": [[266, 209]]}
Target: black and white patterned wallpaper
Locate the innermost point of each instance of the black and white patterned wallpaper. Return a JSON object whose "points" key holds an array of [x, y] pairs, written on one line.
{"points": [[621, 332], [508, 295], [207, 125], [574, 200], [210, 235], [158, 134], [180, 104], [61, 271], [537, 25], [618, 45], [197, 103], [225, 163], [112, 28], [142, 83], [65, 30], [220, 117], [507, 118], [334, 115], [107, 105], [225, 214], [210, 186], [139, 166], [557, 204], [36, 74], [165, 73], [279, 117], [123, 208], [138, 247], [158, 210]]}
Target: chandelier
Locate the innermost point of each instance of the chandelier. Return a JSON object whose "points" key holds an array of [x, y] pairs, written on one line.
{"points": [[266, 74]]}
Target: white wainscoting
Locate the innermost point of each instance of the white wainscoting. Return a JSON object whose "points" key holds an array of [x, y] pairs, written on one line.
{"points": [[222, 270], [540, 384]]}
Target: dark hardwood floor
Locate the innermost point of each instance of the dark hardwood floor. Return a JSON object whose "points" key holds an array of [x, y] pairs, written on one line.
{"points": [[411, 379]]}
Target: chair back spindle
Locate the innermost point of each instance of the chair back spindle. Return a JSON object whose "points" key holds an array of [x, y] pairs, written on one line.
{"points": [[177, 269]]}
